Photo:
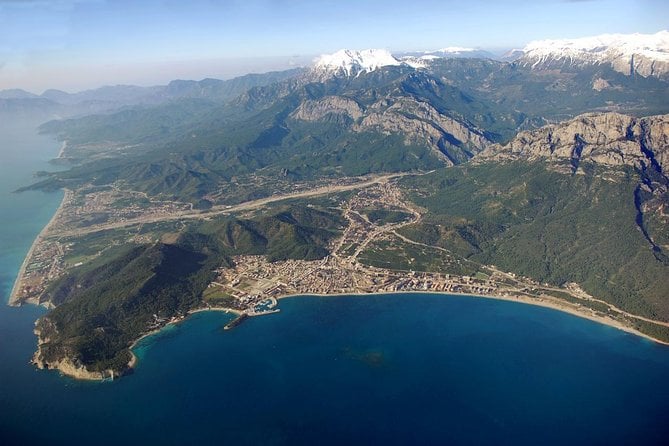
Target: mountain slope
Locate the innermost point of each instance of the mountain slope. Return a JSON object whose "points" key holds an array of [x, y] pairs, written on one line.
{"points": [[348, 122], [526, 208], [391, 119], [615, 145], [609, 139]]}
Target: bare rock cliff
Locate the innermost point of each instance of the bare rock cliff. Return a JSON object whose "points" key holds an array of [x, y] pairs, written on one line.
{"points": [[418, 122], [63, 360], [331, 105], [609, 139]]}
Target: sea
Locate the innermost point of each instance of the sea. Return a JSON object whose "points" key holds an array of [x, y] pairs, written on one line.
{"points": [[408, 369]]}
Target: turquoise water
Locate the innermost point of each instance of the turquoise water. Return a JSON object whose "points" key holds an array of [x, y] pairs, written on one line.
{"points": [[394, 369]]}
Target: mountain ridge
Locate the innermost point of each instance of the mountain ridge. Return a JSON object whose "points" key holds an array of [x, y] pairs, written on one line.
{"points": [[632, 54], [609, 139]]}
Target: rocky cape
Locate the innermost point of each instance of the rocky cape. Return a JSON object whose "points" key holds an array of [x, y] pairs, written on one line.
{"points": [[66, 363]]}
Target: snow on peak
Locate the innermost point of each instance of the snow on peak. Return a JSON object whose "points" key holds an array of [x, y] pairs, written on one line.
{"points": [[419, 62], [356, 62], [453, 50], [424, 59], [651, 45], [618, 49]]}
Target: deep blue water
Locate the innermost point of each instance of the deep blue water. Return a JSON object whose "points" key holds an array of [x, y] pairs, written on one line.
{"points": [[394, 369]]}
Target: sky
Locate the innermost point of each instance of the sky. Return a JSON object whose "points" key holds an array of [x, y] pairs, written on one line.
{"points": [[79, 44]]}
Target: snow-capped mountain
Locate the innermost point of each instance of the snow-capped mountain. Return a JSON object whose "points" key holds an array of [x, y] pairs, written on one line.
{"points": [[352, 63], [642, 54], [631, 54], [419, 61], [453, 52], [424, 58]]}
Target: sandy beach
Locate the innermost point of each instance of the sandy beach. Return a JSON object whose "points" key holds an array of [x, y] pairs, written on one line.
{"points": [[13, 297], [540, 302], [557, 305]]}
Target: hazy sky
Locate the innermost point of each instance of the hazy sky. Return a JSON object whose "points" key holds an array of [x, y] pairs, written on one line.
{"points": [[77, 44]]}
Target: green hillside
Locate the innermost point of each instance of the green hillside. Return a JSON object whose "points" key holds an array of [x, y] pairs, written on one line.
{"points": [[546, 225], [107, 304]]}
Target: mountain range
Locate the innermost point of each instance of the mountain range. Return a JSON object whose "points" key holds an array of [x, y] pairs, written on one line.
{"points": [[632, 54], [644, 55]]}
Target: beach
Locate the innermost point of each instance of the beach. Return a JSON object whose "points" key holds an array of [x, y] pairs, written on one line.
{"points": [[14, 295], [557, 305]]}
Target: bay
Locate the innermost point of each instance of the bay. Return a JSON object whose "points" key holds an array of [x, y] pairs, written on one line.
{"points": [[393, 369]]}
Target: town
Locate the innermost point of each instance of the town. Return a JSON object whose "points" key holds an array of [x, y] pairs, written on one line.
{"points": [[374, 214], [254, 285]]}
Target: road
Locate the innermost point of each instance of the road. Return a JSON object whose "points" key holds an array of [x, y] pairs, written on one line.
{"points": [[218, 210]]}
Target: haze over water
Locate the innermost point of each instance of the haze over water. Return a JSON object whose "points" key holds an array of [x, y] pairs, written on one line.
{"points": [[393, 369]]}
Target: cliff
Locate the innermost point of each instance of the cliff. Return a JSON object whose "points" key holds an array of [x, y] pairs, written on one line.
{"points": [[417, 122], [608, 139]]}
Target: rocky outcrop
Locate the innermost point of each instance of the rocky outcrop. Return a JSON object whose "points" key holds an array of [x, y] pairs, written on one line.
{"points": [[418, 122], [68, 367], [317, 110], [600, 84], [422, 123], [64, 361], [609, 139]]}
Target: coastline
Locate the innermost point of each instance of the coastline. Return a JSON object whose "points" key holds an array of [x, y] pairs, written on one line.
{"points": [[133, 357], [619, 322], [540, 302], [13, 296], [557, 305]]}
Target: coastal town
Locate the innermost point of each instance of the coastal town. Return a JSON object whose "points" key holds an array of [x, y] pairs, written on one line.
{"points": [[91, 210], [374, 216], [254, 285]]}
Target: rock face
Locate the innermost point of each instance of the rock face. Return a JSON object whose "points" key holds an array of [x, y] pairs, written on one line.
{"points": [[67, 367], [418, 122], [609, 139], [421, 123], [318, 110]]}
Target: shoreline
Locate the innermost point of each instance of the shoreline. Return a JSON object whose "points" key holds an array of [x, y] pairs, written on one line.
{"points": [[539, 302], [549, 302], [13, 296], [133, 357]]}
